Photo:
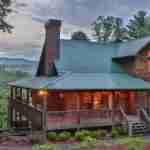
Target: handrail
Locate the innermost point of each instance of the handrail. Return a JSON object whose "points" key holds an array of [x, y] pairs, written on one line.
{"points": [[81, 110], [27, 105], [145, 116], [123, 114]]}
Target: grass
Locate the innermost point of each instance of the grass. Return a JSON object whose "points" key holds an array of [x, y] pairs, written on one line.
{"points": [[134, 143]]}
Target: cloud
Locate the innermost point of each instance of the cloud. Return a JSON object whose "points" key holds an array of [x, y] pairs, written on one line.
{"points": [[76, 15]]}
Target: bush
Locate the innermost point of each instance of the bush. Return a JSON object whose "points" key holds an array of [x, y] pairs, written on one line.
{"points": [[101, 134], [64, 136], [79, 135], [84, 135], [115, 133], [45, 147], [52, 136], [89, 139], [93, 134], [121, 131]]}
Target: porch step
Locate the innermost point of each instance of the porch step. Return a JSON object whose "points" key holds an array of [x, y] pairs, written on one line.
{"points": [[137, 127]]}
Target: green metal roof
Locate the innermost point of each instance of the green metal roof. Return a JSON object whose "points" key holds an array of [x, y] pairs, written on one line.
{"points": [[90, 66], [87, 57], [131, 48], [85, 81]]}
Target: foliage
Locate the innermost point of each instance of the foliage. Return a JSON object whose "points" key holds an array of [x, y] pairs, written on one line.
{"points": [[79, 35], [121, 131], [45, 147], [3, 107], [101, 134], [109, 29], [52, 136], [79, 135], [4, 11], [112, 29], [83, 135], [4, 93], [139, 25], [64, 136], [115, 132], [90, 135]]}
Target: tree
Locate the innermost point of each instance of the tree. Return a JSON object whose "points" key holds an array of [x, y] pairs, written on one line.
{"points": [[4, 11], [109, 29], [139, 26], [120, 32], [79, 35]]}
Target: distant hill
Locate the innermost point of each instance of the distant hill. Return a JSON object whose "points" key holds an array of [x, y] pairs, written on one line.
{"points": [[18, 64], [16, 61]]}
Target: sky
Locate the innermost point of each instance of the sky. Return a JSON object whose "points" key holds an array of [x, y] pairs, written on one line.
{"points": [[28, 34]]}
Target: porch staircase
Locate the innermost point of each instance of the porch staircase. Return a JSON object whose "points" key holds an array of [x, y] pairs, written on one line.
{"points": [[136, 124]]}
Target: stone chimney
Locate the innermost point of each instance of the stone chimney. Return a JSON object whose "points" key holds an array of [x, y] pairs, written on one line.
{"points": [[51, 49]]}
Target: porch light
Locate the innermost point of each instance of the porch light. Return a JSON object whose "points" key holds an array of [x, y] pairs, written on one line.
{"points": [[61, 95], [42, 93]]}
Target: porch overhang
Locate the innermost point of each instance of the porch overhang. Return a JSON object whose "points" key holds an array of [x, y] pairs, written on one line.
{"points": [[85, 81]]}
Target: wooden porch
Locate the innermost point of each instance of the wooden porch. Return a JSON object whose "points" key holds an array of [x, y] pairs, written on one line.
{"points": [[72, 110], [82, 119], [60, 120]]}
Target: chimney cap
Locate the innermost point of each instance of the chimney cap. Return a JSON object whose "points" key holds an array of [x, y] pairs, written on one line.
{"points": [[52, 22]]}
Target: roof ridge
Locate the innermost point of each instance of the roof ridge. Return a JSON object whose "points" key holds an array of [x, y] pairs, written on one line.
{"points": [[106, 43]]}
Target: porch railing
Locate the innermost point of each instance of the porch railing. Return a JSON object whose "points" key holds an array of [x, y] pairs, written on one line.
{"points": [[82, 118]]}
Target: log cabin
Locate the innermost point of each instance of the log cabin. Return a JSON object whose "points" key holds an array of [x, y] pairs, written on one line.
{"points": [[82, 84]]}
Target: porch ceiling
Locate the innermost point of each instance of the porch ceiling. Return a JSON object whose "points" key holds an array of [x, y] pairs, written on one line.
{"points": [[85, 81]]}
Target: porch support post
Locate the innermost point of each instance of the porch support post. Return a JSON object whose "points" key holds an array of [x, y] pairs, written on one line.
{"points": [[44, 118], [78, 110], [21, 100], [113, 105], [45, 113], [27, 97], [15, 112], [148, 101]]}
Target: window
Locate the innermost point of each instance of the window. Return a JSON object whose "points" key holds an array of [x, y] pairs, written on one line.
{"points": [[87, 100], [24, 94], [18, 92], [97, 100]]}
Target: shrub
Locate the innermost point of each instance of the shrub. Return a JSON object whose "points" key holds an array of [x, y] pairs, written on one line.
{"points": [[64, 136], [121, 131], [52, 136], [79, 135], [85, 135], [93, 134], [101, 134], [86, 132], [45, 147], [89, 139], [115, 133]]}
